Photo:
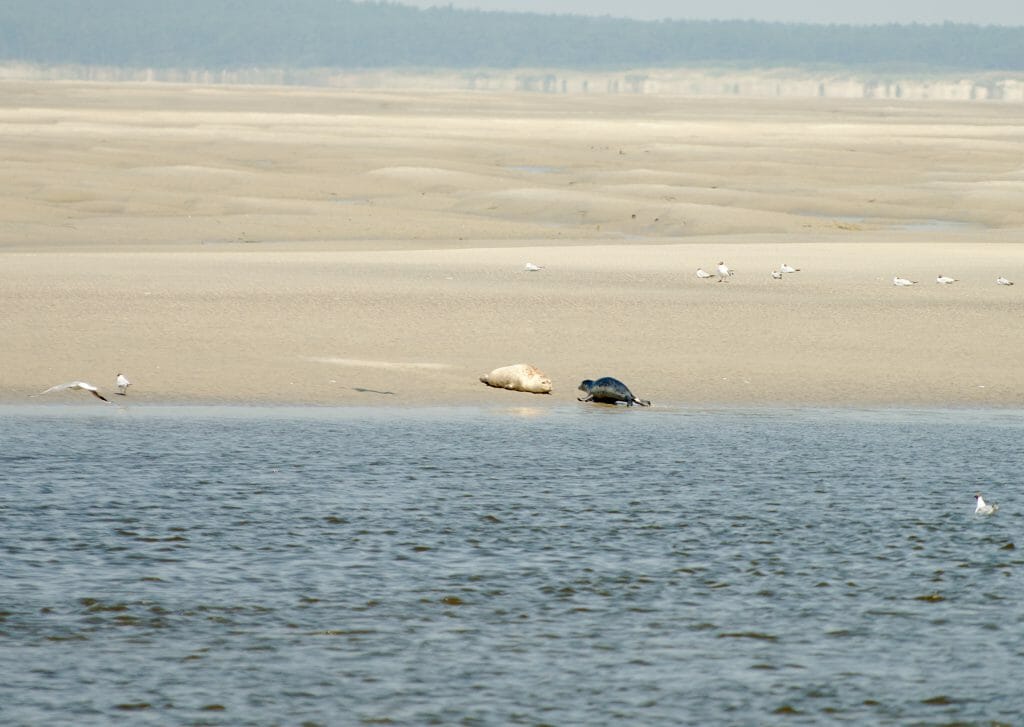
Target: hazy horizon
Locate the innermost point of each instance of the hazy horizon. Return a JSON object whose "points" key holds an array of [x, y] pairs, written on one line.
{"points": [[355, 35], [865, 12]]}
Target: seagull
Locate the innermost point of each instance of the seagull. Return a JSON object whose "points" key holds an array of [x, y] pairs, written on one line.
{"points": [[1003, 281], [983, 507], [724, 272], [788, 269], [531, 268], [79, 385], [776, 275], [902, 282], [944, 279], [122, 384], [703, 274]]}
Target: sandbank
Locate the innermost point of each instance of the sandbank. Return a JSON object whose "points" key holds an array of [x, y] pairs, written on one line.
{"points": [[317, 246]]}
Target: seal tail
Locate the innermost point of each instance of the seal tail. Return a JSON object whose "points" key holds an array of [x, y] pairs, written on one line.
{"points": [[642, 402]]}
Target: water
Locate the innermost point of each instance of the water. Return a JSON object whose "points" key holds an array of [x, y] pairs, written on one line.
{"points": [[920, 225], [577, 566]]}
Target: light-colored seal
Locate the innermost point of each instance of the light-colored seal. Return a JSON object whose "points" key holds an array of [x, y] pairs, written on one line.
{"points": [[519, 377], [607, 390]]}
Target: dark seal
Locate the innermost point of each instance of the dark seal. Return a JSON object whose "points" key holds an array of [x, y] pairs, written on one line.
{"points": [[607, 390]]}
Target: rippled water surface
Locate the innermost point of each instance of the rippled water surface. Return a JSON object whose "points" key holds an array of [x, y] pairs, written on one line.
{"points": [[578, 566]]}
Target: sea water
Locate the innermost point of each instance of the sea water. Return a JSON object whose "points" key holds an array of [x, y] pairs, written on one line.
{"points": [[564, 566]]}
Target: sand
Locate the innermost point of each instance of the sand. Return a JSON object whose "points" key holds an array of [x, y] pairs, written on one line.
{"points": [[316, 246]]}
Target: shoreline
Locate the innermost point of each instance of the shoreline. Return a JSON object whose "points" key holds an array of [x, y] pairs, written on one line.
{"points": [[338, 328], [525, 411]]}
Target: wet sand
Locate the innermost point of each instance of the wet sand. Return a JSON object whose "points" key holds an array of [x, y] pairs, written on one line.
{"points": [[284, 245]]}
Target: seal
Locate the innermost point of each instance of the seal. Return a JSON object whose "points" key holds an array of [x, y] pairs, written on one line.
{"points": [[607, 390], [519, 377]]}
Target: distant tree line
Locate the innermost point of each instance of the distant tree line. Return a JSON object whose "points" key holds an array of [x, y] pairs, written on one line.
{"points": [[361, 35]]}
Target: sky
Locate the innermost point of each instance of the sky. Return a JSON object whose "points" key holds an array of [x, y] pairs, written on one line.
{"points": [[856, 12]]}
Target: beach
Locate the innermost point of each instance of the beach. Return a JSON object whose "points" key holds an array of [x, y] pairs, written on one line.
{"points": [[235, 244]]}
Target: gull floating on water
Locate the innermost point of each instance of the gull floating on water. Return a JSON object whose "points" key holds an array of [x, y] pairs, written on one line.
{"points": [[788, 269], [724, 272], [983, 508], [776, 275], [1003, 281], [78, 385], [903, 281], [530, 267], [945, 279], [703, 274], [122, 384]]}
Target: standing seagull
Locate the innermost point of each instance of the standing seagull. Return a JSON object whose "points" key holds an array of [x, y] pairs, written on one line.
{"points": [[122, 384], [944, 279], [704, 274], [902, 282], [1003, 281], [724, 272], [983, 507], [788, 269], [80, 385], [531, 268]]}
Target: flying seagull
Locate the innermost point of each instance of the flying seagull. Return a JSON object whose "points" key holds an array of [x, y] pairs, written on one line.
{"points": [[945, 279], [122, 384], [1003, 281], [724, 272], [79, 385], [703, 274], [903, 282], [788, 269], [983, 507]]}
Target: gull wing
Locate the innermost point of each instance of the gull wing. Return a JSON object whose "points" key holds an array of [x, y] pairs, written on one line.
{"points": [[60, 387]]}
